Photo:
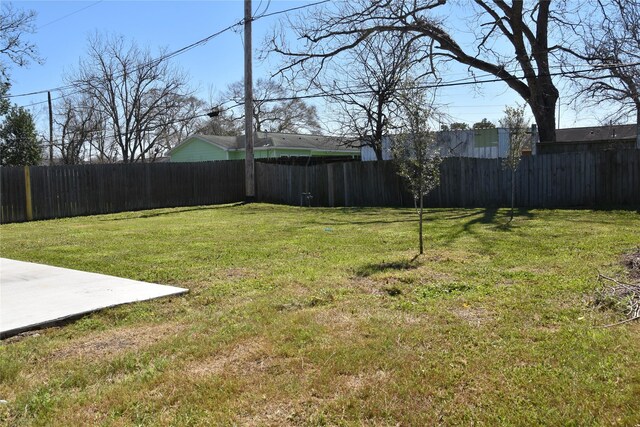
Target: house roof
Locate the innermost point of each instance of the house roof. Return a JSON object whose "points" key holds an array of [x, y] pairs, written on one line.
{"points": [[597, 133], [264, 140]]}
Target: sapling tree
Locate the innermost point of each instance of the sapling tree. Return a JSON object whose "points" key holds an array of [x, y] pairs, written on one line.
{"points": [[415, 152], [519, 138]]}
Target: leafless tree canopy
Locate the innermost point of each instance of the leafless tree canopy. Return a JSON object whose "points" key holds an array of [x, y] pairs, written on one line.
{"points": [[610, 42], [274, 108], [365, 87], [226, 123], [183, 116], [140, 96], [522, 26], [80, 126], [15, 25]]}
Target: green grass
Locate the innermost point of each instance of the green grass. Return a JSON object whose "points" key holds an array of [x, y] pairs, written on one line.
{"points": [[321, 317]]}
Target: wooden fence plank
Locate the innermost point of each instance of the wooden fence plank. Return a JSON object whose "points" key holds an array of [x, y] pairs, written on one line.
{"points": [[595, 179]]}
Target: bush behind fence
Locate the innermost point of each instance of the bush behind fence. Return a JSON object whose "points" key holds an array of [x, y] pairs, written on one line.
{"points": [[580, 179]]}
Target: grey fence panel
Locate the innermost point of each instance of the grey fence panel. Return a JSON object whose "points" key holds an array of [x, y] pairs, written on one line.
{"points": [[582, 179], [73, 190]]}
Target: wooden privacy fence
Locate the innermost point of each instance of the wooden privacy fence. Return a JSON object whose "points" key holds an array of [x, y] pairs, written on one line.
{"points": [[589, 179], [65, 191], [581, 179]]}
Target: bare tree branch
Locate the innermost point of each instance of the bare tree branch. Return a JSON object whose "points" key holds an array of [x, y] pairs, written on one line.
{"points": [[140, 97], [610, 43], [15, 25], [523, 26]]}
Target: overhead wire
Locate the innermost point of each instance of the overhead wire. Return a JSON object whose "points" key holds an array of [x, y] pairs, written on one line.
{"points": [[325, 95], [178, 51], [69, 14], [471, 80]]}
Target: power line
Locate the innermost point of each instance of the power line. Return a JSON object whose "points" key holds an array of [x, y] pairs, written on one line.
{"points": [[454, 83], [149, 63], [279, 12], [460, 82], [69, 14], [266, 100], [336, 94], [175, 52]]}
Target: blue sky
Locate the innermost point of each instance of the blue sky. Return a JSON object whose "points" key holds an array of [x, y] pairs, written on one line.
{"points": [[63, 28]]}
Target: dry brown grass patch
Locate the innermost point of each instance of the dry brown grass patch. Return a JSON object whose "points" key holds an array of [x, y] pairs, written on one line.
{"points": [[475, 316], [115, 342], [239, 273], [308, 405], [248, 356]]}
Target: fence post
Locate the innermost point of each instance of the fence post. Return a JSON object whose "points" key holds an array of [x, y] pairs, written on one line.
{"points": [[27, 190]]}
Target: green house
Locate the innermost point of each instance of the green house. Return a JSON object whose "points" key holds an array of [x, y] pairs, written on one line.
{"points": [[203, 148]]}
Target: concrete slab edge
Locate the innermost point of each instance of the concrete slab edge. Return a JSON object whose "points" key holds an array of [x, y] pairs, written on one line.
{"points": [[75, 316]]}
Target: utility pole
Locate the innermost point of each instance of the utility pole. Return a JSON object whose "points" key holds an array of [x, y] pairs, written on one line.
{"points": [[50, 129], [250, 190]]}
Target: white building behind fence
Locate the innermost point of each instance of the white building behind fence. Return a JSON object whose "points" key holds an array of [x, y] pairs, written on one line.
{"points": [[478, 143]]}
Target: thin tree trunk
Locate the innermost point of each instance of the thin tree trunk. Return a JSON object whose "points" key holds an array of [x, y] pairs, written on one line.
{"points": [[513, 192], [421, 209]]}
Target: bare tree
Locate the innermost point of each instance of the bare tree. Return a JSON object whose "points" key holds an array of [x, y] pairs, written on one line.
{"points": [[415, 151], [365, 87], [610, 44], [223, 124], [81, 127], [519, 138], [511, 44], [183, 116], [275, 109], [134, 91], [15, 25]]}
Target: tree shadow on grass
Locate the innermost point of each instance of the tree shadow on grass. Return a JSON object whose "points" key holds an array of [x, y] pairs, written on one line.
{"points": [[174, 211], [508, 224], [488, 216], [458, 215], [381, 267], [334, 222], [368, 215]]}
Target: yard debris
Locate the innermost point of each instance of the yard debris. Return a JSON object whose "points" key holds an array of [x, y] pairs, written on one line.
{"points": [[619, 296], [632, 262]]}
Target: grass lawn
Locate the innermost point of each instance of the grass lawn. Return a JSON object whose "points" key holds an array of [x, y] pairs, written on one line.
{"points": [[320, 317]]}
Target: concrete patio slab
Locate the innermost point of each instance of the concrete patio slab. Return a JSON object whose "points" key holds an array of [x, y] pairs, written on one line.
{"points": [[33, 296]]}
